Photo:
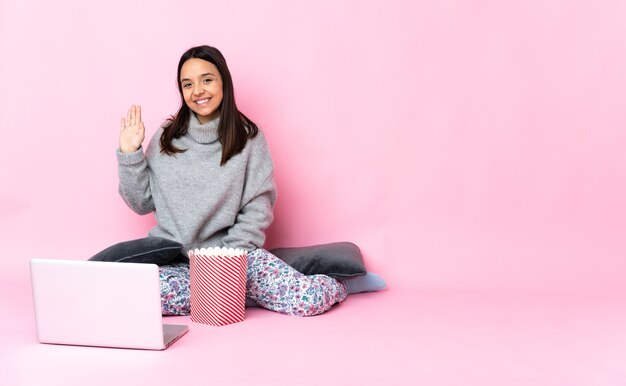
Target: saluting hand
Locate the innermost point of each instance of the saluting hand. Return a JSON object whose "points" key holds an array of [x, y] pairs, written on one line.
{"points": [[132, 131]]}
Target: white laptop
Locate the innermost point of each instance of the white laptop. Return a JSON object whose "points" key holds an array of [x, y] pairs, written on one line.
{"points": [[95, 303]]}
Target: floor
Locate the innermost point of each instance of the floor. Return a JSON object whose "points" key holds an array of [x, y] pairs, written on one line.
{"points": [[394, 337]]}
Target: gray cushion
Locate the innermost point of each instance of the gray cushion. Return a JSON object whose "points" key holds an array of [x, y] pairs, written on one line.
{"points": [[153, 250], [339, 260]]}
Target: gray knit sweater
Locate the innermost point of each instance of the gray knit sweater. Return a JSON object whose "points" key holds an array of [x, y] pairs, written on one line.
{"points": [[196, 201]]}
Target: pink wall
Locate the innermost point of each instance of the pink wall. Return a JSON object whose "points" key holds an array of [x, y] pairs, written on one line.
{"points": [[472, 144]]}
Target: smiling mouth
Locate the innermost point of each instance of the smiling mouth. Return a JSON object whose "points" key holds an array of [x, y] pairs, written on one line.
{"points": [[203, 101]]}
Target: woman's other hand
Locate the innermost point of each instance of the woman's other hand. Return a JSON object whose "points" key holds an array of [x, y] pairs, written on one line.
{"points": [[132, 130]]}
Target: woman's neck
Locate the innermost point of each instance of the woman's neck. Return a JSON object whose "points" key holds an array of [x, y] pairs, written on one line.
{"points": [[206, 132]]}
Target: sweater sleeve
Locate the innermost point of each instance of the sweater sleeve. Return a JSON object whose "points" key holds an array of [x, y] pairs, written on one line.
{"points": [[253, 219], [134, 181], [256, 213]]}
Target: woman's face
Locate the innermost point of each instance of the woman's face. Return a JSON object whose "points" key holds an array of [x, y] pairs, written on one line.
{"points": [[201, 83]]}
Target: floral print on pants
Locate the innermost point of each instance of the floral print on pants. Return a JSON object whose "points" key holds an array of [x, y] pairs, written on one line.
{"points": [[175, 292], [271, 283]]}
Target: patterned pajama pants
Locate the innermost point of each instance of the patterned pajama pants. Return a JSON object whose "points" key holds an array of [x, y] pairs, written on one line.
{"points": [[271, 283]]}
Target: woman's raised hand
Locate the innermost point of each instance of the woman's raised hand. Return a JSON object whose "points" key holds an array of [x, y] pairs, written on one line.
{"points": [[132, 131]]}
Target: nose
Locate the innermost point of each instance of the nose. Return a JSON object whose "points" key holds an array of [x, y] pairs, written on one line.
{"points": [[197, 89]]}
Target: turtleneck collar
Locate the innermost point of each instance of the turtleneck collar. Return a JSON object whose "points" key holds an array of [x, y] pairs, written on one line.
{"points": [[203, 132]]}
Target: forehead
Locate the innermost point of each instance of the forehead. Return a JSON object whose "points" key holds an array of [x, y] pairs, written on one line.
{"points": [[195, 68]]}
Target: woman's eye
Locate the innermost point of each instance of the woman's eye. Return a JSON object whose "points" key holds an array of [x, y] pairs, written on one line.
{"points": [[185, 85], [207, 81]]}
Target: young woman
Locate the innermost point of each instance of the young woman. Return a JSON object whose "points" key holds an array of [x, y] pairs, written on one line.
{"points": [[207, 175]]}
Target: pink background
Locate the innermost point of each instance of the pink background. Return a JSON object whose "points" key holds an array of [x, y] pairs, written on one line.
{"points": [[460, 144], [472, 149]]}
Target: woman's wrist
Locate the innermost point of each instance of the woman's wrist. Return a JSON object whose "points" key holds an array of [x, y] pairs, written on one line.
{"points": [[125, 149]]}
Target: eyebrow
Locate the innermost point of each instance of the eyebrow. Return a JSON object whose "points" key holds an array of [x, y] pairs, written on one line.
{"points": [[201, 76]]}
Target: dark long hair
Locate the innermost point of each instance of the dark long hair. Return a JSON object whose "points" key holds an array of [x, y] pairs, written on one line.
{"points": [[234, 128]]}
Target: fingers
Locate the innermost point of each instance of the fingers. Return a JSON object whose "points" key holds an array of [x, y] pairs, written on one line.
{"points": [[122, 125], [133, 117], [128, 120]]}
